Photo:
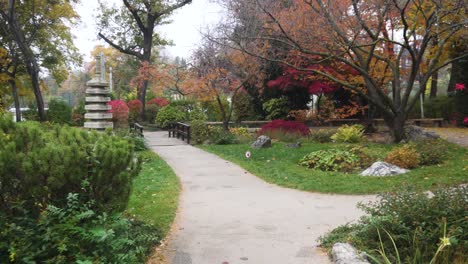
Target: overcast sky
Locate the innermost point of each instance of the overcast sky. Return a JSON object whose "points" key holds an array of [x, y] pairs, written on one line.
{"points": [[183, 31]]}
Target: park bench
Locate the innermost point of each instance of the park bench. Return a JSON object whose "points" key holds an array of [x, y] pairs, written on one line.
{"points": [[180, 130], [136, 129], [432, 121]]}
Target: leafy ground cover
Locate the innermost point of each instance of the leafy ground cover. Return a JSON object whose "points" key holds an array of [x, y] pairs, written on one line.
{"points": [[155, 193], [280, 165]]}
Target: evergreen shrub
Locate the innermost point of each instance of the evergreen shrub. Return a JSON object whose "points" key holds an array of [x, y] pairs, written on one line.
{"points": [[277, 108], [431, 152], [170, 114], [59, 112], [199, 131], [41, 165]]}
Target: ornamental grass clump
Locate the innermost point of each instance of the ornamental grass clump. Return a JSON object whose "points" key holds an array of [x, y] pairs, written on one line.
{"points": [[349, 134], [284, 130]]}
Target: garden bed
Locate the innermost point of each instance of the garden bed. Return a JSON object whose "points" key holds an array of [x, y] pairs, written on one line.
{"points": [[279, 165]]}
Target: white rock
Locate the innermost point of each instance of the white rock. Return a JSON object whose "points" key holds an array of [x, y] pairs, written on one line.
{"points": [[380, 168], [344, 253]]}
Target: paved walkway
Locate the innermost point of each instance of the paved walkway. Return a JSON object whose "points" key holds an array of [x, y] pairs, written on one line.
{"points": [[227, 215]]}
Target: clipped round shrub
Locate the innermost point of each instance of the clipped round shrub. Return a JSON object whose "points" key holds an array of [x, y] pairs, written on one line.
{"points": [[135, 107], [168, 115], [349, 134], [404, 156], [283, 129], [431, 152], [331, 160], [120, 112], [59, 112], [243, 107]]}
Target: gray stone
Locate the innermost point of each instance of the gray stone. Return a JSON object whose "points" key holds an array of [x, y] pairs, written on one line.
{"points": [[344, 253], [262, 142], [414, 133], [294, 145], [380, 168]]}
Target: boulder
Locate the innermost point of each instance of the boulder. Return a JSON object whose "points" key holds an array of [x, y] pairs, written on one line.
{"points": [[344, 253], [294, 145], [414, 133], [380, 168], [262, 142]]}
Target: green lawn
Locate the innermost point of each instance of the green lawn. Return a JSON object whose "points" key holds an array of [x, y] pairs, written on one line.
{"points": [[279, 165], [155, 193]]}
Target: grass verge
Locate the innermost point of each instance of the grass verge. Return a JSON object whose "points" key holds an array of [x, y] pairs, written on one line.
{"points": [[155, 193], [279, 165]]}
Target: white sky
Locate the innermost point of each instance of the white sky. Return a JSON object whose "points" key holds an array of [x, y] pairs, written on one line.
{"points": [[184, 30]]}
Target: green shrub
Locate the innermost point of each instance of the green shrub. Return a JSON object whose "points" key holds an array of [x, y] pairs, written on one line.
{"points": [[59, 112], [151, 112], [170, 114], [349, 134], [330, 160], [277, 108], [40, 165], [431, 152], [404, 156], [366, 159], [213, 111], [78, 114], [321, 135], [74, 233], [199, 131], [219, 136], [243, 107], [415, 221], [138, 142], [197, 114], [242, 134]]}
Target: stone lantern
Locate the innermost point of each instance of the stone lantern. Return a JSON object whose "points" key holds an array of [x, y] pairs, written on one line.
{"points": [[97, 97]]}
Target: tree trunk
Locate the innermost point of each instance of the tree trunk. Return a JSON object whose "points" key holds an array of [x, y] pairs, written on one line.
{"points": [[396, 124], [14, 90], [30, 60], [435, 78]]}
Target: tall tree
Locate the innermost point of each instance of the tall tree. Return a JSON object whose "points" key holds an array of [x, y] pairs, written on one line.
{"points": [[388, 43], [40, 31], [131, 29]]}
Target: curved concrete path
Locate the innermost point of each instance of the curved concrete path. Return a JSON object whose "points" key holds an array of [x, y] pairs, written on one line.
{"points": [[227, 215]]}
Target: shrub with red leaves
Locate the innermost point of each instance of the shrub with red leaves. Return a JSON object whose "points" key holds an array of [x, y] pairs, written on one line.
{"points": [[119, 111], [276, 127], [135, 106], [161, 102]]}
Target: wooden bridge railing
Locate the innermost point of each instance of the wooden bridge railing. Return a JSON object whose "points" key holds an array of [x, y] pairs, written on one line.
{"points": [[180, 130], [137, 129]]}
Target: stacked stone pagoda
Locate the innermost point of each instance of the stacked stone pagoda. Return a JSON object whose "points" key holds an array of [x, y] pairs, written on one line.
{"points": [[97, 97]]}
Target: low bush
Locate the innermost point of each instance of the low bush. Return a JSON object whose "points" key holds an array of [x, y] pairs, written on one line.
{"points": [[197, 114], [219, 136], [159, 101], [135, 108], [168, 115], [78, 114], [365, 157], [74, 233], [331, 160], [41, 165], [349, 134], [281, 129], [415, 223], [277, 108], [404, 156], [199, 131], [431, 152], [321, 135], [59, 112], [120, 112], [242, 134]]}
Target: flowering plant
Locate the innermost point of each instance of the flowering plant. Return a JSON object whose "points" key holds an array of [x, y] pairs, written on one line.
{"points": [[460, 87]]}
